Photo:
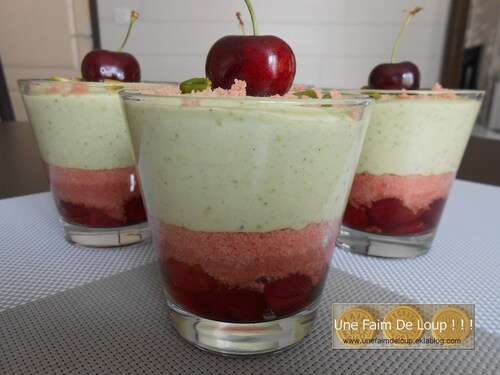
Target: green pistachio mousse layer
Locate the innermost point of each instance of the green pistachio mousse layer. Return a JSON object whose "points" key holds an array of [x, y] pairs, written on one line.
{"points": [[245, 164], [419, 134], [79, 124]]}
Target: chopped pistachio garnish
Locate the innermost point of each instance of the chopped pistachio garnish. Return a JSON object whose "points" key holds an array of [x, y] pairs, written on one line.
{"points": [[195, 84]]}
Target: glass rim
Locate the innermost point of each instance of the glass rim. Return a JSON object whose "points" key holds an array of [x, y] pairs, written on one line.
{"points": [[426, 91], [89, 83], [353, 99]]}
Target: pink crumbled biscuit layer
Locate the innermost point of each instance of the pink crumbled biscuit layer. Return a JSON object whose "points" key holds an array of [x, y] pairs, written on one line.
{"points": [[103, 189], [243, 260], [416, 192]]}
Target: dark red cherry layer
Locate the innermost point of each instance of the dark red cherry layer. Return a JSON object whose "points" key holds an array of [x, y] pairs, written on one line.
{"points": [[94, 217], [194, 290], [390, 216]]}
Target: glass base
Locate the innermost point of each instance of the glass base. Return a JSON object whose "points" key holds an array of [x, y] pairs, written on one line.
{"points": [[106, 237], [409, 246], [242, 339]]}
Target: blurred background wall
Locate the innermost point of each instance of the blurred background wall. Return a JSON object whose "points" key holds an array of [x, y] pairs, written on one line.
{"points": [[336, 42]]}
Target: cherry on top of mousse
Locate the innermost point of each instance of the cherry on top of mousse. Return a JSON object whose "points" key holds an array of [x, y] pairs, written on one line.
{"points": [[265, 62], [396, 76], [103, 65]]}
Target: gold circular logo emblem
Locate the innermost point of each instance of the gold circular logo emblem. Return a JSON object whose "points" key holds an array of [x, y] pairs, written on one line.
{"points": [[403, 325], [450, 323], [355, 326]]}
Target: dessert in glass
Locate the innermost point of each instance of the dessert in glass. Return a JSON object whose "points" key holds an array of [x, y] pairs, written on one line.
{"points": [[244, 196], [412, 151], [85, 148]]}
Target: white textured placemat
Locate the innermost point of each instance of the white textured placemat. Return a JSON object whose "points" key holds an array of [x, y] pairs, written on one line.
{"points": [[120, 325], [36, 260]]}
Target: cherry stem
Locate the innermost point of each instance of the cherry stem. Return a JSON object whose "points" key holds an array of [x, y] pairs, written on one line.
{"points": [[242, 25], [133, 17], [252, 15], [411, 13]]}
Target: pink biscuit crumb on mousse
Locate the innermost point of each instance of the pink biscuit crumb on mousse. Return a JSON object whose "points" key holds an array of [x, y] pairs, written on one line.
{"points": [[105, 197], [55, 88], [437, 87], [76, 88], [237, 89], [79, 89], [438, 92], [162, 90], [244, 259]]}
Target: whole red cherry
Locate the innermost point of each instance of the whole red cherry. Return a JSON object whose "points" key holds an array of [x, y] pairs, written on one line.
{"points": [[100, 65], [265, 62], [396, 76]]}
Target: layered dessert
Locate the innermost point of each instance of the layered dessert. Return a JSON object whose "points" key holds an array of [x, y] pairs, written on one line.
{"points": [[86, 150], [244, 196], [412, 151]]}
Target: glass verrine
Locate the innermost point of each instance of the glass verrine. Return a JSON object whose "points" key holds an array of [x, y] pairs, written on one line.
{"points": [[85, 148], [412, 151], [244, 196]]}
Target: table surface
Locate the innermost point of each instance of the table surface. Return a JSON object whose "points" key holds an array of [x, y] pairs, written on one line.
{"points": [[21, 169], [67, 309]]}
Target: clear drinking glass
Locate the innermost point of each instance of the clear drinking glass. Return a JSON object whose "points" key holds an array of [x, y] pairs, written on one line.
{"points": [[85, 148], [244, 196], [412, 150]]}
